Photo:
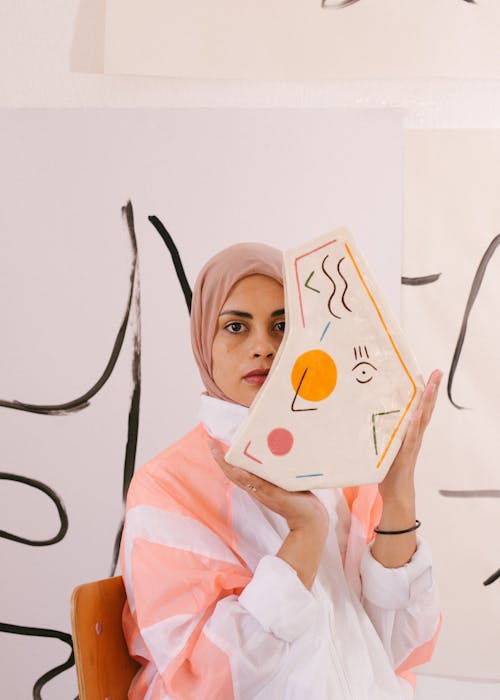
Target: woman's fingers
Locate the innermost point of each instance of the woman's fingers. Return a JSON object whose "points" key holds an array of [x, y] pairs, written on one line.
{"points": [[245, 480], [429, 398]]}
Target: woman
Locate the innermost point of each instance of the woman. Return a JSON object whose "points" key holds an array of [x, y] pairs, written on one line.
{"points": [[239, 589]]}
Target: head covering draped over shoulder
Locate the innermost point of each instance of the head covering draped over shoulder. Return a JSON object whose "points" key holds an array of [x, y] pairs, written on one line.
{"points": [[211, 290]]}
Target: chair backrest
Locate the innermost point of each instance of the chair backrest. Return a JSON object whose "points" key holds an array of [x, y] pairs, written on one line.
{"points": [[103, 665]]}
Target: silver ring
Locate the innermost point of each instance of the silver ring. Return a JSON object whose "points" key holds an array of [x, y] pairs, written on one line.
{"points": [[251, 487]]}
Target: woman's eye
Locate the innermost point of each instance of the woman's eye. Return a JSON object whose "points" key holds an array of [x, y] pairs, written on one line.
{"points": [[280, 326], [234, 327]]}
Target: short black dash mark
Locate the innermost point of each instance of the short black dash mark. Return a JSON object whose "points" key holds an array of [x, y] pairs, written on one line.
{"points": [[374, 415], [476, 285], [297, 393], [419, 281], [303, 476], [47, 633], [339, 4], [334, 287], [491, 579], [176, 259], [345, 282], [61, 511], [473, 493], [313, 289]]}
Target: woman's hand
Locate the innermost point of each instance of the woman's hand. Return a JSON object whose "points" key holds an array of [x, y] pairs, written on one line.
{"points": [[399, 482], [299, 508], [306, 516], [398, 487]]}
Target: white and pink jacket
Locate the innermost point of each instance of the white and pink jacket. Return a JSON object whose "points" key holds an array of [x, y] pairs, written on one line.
{"points": [[212, 613]]}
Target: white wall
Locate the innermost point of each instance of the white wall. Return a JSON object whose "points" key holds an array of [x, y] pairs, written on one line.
{"points": [[52, 55]]}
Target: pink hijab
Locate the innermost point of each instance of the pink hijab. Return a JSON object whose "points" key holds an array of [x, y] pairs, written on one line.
{"points": [[211, 290]]}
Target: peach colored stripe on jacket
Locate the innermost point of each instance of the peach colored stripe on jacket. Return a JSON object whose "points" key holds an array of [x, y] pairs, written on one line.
{"points": [[365, 504], [419, 656], [196, 581]]}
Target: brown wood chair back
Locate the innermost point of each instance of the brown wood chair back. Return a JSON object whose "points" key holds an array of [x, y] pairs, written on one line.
{"points": [[103, 665]]}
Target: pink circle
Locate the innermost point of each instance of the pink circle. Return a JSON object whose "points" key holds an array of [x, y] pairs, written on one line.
{"points": [[280, 441]]}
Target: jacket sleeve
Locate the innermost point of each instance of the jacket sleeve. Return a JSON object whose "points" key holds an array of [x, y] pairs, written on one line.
{"points": [[206, 624], [403, 605]]}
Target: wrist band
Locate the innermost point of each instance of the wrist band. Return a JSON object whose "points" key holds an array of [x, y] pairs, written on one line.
{"points": [[398, 532]]}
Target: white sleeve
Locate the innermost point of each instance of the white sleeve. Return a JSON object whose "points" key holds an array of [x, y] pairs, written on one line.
{"points": [[402, 603]]}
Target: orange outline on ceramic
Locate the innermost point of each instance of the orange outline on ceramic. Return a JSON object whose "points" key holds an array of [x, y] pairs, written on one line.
{"points": [[396, 351]]}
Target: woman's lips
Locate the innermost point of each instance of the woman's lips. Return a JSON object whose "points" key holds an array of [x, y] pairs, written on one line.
{"points": [[256, 377]]}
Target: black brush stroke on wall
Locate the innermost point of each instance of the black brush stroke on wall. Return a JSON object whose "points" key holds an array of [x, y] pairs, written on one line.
{"points": [[133, 419], [68, 408], [134, 409], [48, 633], [61, 511], [475, 287], [176, 259]]}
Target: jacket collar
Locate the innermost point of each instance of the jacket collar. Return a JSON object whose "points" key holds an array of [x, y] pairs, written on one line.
{"points": [[222, 419]]}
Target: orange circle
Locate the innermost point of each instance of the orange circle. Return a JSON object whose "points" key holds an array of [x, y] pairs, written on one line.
{"points": [[320, 376]]}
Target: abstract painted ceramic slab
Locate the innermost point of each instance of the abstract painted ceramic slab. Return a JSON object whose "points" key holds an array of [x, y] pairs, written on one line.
{"points": [[335, 406]]}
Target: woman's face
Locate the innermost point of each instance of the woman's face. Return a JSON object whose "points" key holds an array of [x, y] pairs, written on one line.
{"points": [[249, 331]]}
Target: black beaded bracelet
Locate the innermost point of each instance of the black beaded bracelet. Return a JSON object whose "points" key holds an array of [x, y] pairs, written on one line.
{"points": [[398, 532]]}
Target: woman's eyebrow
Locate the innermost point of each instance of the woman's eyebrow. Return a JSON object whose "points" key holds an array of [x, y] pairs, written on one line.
{"points": [[245, 314], [232, 312]]}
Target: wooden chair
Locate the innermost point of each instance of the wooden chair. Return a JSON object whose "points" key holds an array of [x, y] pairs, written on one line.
{"points": [[103, 665]]}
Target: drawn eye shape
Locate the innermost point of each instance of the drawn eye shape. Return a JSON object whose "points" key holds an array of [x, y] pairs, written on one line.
{"points": [[363, 372]]}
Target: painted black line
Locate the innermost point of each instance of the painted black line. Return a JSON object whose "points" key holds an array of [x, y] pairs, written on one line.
{"points": [[43, 632], [345, 282], [476, 285], [176, 259], [83, 401], [297, 410], [61, 511], [481, 493], [334, 287], [491, 579], [134, 409], [418, 281]]}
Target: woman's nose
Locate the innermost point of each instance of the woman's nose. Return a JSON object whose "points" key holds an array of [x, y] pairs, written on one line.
{"points": [[263, 345]]}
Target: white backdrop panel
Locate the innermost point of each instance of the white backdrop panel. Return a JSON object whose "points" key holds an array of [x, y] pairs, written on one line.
{"points": [[213, 178], [301, 40], [452, 226]]}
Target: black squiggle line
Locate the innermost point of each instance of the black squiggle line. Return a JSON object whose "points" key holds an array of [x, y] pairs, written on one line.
{"points": [[83, 401], [345, 282], [134, 410], [476, 285], [43, 632], [63, 517], [176, 259], [334, 287], [418, 281]]}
